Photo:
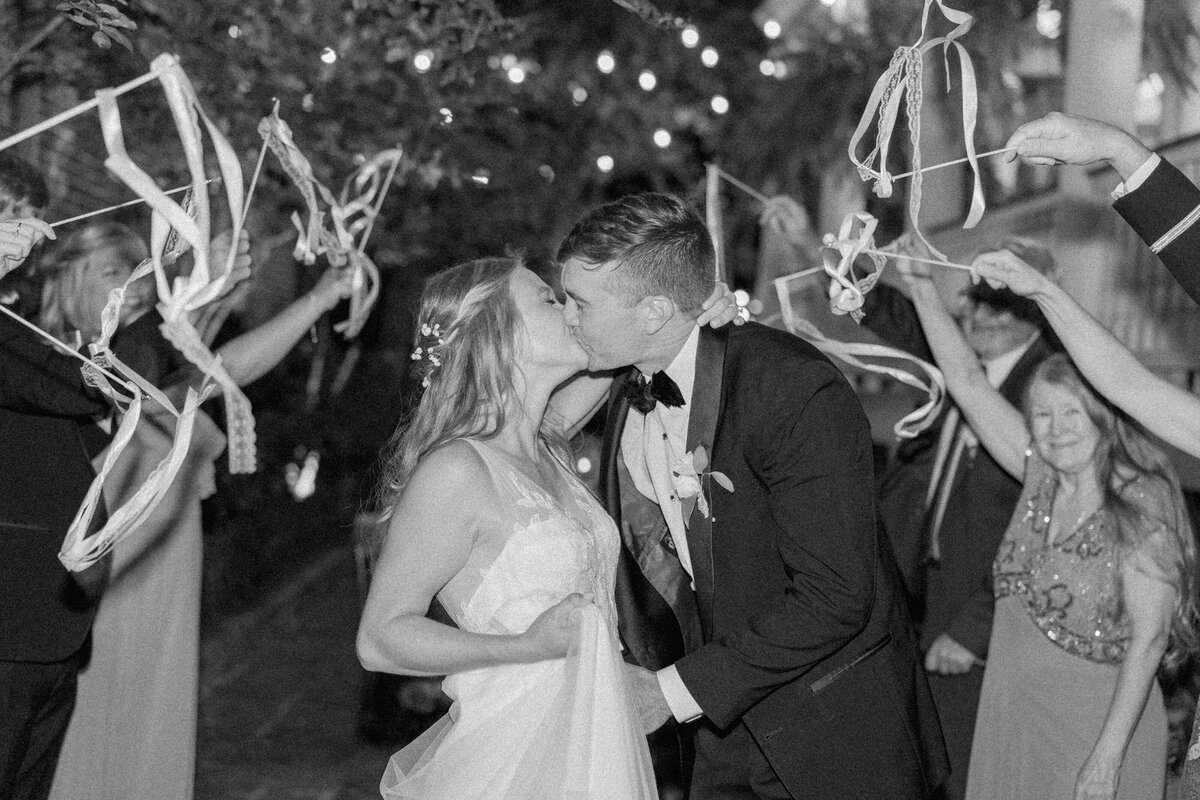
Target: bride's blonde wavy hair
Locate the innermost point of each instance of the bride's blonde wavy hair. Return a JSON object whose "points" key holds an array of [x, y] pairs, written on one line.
{"points": [[469, 333]]}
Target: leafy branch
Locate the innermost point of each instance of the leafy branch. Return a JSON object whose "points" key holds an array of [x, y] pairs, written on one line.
{"points": [[107, 19]]}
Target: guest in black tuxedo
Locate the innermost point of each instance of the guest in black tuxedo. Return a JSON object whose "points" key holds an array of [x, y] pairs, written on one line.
{"points": [[967, 498], [45, 611], [799, 661], [1155, 198]]}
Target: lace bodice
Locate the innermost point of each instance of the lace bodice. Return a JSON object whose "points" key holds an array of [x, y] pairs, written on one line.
{"points": [[532, 548], [1072, 586]]}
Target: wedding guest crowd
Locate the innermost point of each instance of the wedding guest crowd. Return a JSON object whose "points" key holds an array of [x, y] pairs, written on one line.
{"points": [[1044, 540]]}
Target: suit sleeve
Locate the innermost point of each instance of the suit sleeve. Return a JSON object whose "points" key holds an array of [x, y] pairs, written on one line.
{"points": [[892, 317], [972, 625], [816, 465], [36, 379], [1163, 201]]}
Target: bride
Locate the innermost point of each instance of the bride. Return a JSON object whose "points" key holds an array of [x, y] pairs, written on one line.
{"points": [[487, 514]]}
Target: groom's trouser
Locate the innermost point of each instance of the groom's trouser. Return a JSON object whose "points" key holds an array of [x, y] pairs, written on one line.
{"points": [[730, 766]]}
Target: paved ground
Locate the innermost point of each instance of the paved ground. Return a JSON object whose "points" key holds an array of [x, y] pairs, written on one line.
{"points": [[279, 696]]}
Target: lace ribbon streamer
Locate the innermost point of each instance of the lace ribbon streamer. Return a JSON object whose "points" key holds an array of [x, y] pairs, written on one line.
{"points": [[903, 80], [348, 216], [855, 238], [168, 218]]}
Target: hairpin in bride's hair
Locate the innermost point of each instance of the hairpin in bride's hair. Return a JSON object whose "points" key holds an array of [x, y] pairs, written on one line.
{"points": [[431, 336]]}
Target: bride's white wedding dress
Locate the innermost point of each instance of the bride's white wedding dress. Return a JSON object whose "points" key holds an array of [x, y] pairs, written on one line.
{"points": [[561, 729]]}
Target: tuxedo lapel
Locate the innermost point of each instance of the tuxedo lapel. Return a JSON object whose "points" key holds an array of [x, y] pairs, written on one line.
{"points": [[702, 429]]}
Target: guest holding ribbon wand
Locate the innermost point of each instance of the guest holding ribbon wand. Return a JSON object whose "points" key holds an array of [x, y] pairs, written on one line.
{"points": [[45, 471], [1155, 198], [1164, 409], [1094, 584]]}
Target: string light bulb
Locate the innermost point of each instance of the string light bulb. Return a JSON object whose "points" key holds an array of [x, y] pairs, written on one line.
{"points": [[720, 105], [767, 67], [516, 74], [772, 29], [605, 62], [423, 61], [605, 163], [662, 137], [647, 80], [690, 36], [709, 56], [328, 55]]}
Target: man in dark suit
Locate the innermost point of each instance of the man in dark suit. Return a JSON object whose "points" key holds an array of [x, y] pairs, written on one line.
{"points": [[966, 499], [45, 611], [798, 658], [1155, 198]]}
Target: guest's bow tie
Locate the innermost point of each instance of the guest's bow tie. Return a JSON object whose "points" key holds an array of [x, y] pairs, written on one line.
{"points": [[643, 394]]}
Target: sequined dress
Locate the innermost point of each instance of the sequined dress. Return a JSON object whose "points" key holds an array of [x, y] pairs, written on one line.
{"points": [[1058, 638], [560, 729]]}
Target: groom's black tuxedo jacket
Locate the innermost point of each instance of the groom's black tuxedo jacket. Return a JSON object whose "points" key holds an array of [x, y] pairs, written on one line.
{"points": [[804, 634], [1155, 207]]}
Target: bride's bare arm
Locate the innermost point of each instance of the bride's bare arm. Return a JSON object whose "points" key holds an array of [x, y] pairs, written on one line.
{"points": [[429, 538], [577, 400]]}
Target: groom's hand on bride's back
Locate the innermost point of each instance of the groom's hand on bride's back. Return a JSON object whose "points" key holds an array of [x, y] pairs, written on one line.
{"points": [[555, 630], [720, 308], [647, 698]]}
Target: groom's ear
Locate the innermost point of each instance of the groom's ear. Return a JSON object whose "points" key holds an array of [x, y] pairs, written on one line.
{"points": [[656, 311]]}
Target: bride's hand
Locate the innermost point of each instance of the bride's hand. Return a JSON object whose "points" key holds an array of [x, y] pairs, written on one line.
{"points": [[720, 308], [551, 634]]}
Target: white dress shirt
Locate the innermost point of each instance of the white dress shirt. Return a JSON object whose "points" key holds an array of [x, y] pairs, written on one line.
{"points": [[650, 444], [1137, 178]]}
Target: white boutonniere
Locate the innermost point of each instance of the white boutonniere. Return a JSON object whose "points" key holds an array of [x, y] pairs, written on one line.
{"points": [[692, 478]]}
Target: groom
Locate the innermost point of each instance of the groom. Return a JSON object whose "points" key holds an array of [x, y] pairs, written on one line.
{"points": [[771, 613]]}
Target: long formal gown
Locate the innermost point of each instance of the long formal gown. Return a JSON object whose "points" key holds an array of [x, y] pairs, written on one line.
{"points": [[1058, 640], [561, 729], [133, 732]]}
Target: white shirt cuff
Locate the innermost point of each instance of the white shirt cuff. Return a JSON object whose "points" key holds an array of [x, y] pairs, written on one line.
{"points": [[1137, 178], [683, 706]]}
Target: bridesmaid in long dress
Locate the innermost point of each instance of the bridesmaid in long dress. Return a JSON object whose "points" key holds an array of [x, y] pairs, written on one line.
{"points": [[1094, 586], [133, 733]]}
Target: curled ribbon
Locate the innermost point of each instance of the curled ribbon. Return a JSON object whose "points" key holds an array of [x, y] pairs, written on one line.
{"points": [[171, 222], [349, 216], [853, 353], [902, 80], [846, 291], [784, 216], [169, 219]]}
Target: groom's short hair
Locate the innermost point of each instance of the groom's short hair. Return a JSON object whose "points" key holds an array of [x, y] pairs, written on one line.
{"points": [[660, 243]]}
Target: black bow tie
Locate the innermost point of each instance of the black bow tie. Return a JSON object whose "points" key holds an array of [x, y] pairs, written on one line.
{"points": [[643, 394]]}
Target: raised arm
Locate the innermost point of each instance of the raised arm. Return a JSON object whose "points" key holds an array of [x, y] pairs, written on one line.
{"points": [[1000, 427], [429, 538], [1164, 409], [255, 353], [1067, 139], [578, 399]]}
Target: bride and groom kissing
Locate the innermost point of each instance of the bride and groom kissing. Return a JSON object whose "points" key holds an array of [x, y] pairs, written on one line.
{"points": [[759, 611]]}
